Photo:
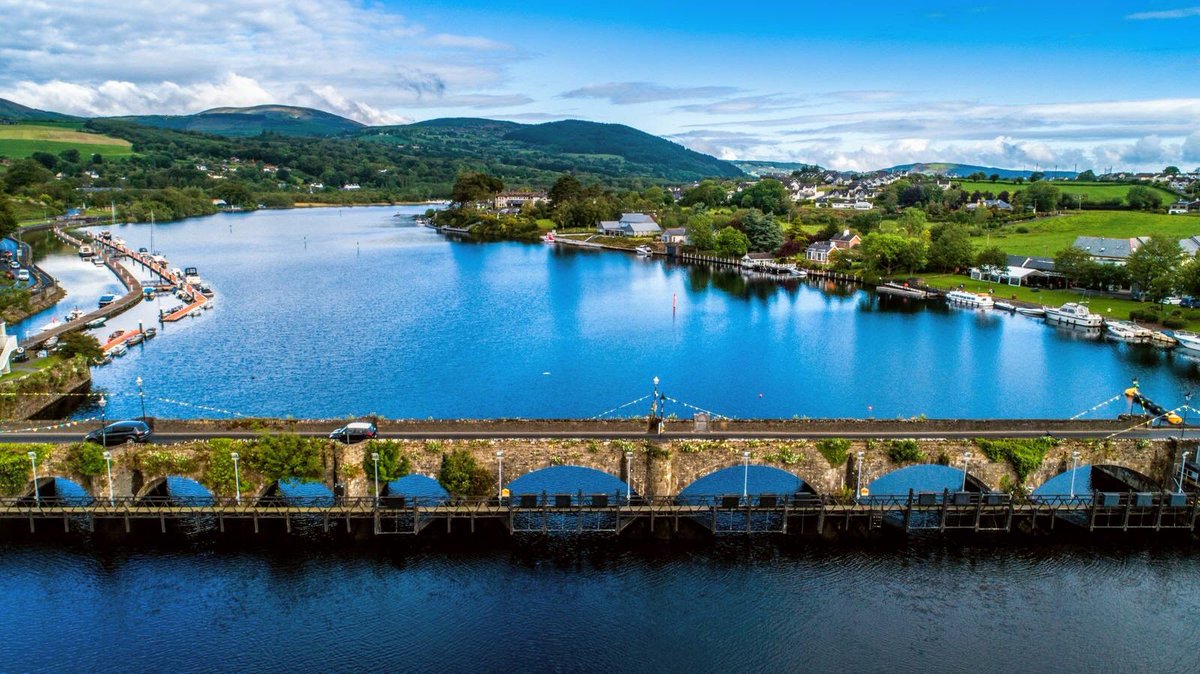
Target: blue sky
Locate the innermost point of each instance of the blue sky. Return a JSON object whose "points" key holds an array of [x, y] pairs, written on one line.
{"points": [[848, 85]]}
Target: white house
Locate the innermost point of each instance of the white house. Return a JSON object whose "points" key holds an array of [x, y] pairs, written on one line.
{"points": [[675, 235], [630, 224]]}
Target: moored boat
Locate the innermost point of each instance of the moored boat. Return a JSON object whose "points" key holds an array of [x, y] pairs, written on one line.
{"points": [[118, 350], [1188, 340], [796, 272], [135, 339], [1005, 306], [49, 326], [644, 251], [902, 290], [106, 300], [96, 323], [151, 333], [1074, 313], [1032, 312], [85, 251], [75, 314], [1162, 339], [967, 299], [1127, 331]]}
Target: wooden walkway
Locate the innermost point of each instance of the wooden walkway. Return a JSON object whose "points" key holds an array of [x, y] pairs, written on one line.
{"points": [[197, 300]]}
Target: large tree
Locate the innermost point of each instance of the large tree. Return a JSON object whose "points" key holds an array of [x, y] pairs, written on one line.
{"points": [[1043, 196], [731, 243], [709, 193], [700, 232], [992, 258], [1154, 267], [472, 187], [566, 189], [950, 248], [8, 221], [767, 195], [1143, 198], [763, 231], [885, 253], [1074, 263]]}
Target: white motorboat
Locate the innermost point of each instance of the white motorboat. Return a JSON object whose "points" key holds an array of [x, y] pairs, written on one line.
{"points": [[49, 326], [1186, 339], [1127, 331], [644, 251], [797, 273], [1073, 313], [75, 314], [85, 251], [1032, 312], [973, 300], [1005, 306], [1163, 339]]}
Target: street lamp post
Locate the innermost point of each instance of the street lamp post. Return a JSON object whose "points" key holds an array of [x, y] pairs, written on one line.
{"points": [[1074, 463], [375, 458], [1187, 402], [966, 463], [108, 465], [103, 422], [237, 478], [628, 477], [1182, 465], [500, 475], [37, 494], [142, 397], [858, 477], [746, 475]]}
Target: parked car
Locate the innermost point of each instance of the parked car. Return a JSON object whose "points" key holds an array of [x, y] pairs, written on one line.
{"points": [[14, 264], [119, 433], [23, 275], [355, 432]]}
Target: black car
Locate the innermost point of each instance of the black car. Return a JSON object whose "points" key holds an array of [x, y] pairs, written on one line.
{"points": [[119, 433], [355, 432]]}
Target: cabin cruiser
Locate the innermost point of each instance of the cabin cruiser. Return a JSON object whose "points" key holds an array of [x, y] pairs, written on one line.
{"points": [[191, 276], [1073, 313], [106, 300], [966, 299], [75, 314], [1186, 339], [644, 251], [151, 333], [1127, 331], [85, 251]]}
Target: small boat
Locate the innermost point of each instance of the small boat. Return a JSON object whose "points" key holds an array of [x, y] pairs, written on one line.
{"points": [[1032, 312], [115, 334], [797, 273], [1127, 331], [902, 290], [644, 251], [151, 333], [75, 314], [106, 300], [49, 326], [1163, 339], [549, 238], [50, 343], [106, 234], [205, 290], [135, 339], [98, 261], [85, 251], [1005, 306], [96, 323], [1074, 313], [1186, 339], [119, 350], [966, 299]]}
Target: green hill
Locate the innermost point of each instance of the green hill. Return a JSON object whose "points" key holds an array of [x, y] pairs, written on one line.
{"points": [[281, 119], [15, 112]]}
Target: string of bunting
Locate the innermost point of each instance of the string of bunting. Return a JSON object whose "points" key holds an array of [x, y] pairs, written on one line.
{"points": [[1096, 407], [631, 402], [698, 409], [205, 408], [50, 427], [1148, 421]]}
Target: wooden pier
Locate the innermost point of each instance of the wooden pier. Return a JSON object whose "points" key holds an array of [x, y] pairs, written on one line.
{"points": [[967, 512]]}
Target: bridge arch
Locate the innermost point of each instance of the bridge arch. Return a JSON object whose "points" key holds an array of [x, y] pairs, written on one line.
{"points": [[1089, 478], [295, 491], [757, 479], [56, 487], [415, 488], [174, 487], [924, 477], [568, 480]]}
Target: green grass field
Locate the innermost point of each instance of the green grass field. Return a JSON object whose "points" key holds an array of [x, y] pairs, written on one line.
{"points": [[1047, 236], [1090, 191], [22, 140]]}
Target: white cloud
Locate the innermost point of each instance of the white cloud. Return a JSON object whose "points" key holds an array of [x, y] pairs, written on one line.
{"points": [[1190, 151], [626, 93], [1181, 13], [179, 56]]}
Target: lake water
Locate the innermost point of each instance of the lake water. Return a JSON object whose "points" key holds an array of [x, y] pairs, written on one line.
{"points": [[337, 312], [577, 606]]}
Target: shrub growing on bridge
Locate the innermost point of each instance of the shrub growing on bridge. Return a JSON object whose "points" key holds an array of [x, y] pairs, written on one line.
{"points": [[392, 463], [905, 451], [218, 471], [15, 468], [85, 458], [284, 455], [1024, 455], [835, 451], [462, 476]]}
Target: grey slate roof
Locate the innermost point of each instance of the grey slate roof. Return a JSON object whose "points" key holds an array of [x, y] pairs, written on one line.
{"points": [[1099, 246]]}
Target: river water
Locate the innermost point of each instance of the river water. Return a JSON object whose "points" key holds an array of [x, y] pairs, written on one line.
{"points": [[337, 312], [569, 606]]}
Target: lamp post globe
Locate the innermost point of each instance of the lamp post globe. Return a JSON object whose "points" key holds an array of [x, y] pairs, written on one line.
{"points": [[237, 480], [37, 494]]}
